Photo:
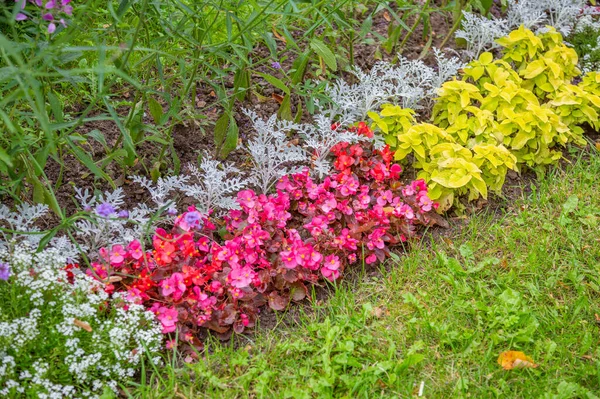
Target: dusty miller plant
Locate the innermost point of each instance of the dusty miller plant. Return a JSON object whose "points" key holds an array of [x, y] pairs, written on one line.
{"points": [[215, 185], [20, 224], [321, 137], [481, 33], [272, 154], [109, 222], [409, 83]]}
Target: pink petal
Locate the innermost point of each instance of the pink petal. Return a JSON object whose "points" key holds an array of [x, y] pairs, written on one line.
{"points": [[20, 17], [51, 28]]}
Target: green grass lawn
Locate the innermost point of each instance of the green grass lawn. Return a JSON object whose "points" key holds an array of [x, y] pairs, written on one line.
{"points": [[439, 316]]}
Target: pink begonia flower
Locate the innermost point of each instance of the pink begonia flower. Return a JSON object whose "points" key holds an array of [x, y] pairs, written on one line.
{"points": [[330, 267], [135, 249], [348, 186], [328, 203], [395, 171], [245, 320], [216, 287], [370, 259], [236, 293], [117, 255], [247, 199], [385, 197], [404, 210], [171, 344], [425, 203], [289, 259], [241, 277], [173, 285], [134, 295], [375, 239], [202, 244], [168, 318]]}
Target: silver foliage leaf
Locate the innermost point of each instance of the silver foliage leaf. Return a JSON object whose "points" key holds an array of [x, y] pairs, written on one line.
{"points": [[273, 156], [214, 184]]}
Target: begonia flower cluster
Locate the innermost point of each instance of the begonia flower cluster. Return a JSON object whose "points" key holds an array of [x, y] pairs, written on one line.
{"points": [[271, 248]]}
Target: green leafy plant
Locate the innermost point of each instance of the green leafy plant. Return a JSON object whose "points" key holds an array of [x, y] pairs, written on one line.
{"points": [[543, 61], [449, 168]]}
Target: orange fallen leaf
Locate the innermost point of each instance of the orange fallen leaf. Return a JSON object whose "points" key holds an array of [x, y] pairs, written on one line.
{"points": [[598, 145], [515, 360], [277, 97], [386, 16], [278, 36], [82, 324]]}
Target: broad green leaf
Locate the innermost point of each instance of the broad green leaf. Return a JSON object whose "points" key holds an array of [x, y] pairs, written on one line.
{"points": [[231, 140], [299, 67], [241, 83], [4, 157], [570, 204], [324, 52], [156, 110], [275, 82], [85, 159], [220, 130], [285, 109]]}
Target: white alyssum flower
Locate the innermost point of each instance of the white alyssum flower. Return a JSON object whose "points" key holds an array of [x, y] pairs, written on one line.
{"points": [[42, 319]]}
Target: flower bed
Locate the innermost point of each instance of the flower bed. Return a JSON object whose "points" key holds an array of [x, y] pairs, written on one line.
{"points": [[304, 214], [194, 278]]}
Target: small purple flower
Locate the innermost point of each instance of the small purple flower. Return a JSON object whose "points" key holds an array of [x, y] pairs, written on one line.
{"points": [[20, 17], [172, 212], [193, 219], [124, 214], [105, 209], [4, 271], [276, 65]]}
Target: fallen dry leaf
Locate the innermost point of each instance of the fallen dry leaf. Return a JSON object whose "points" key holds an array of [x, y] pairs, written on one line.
{"points": [[386, 16], [380, 312], [598, 145], [277, 97], [82, 324], [515, 360], [278, 36]]}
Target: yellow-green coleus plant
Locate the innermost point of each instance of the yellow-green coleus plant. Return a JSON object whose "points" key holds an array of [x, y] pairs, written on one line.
{"points": [[392, 118], [503, 111], [449, 168], [590, 84], [576, 106], [450, 171], [543, 61], [531, 134]]}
